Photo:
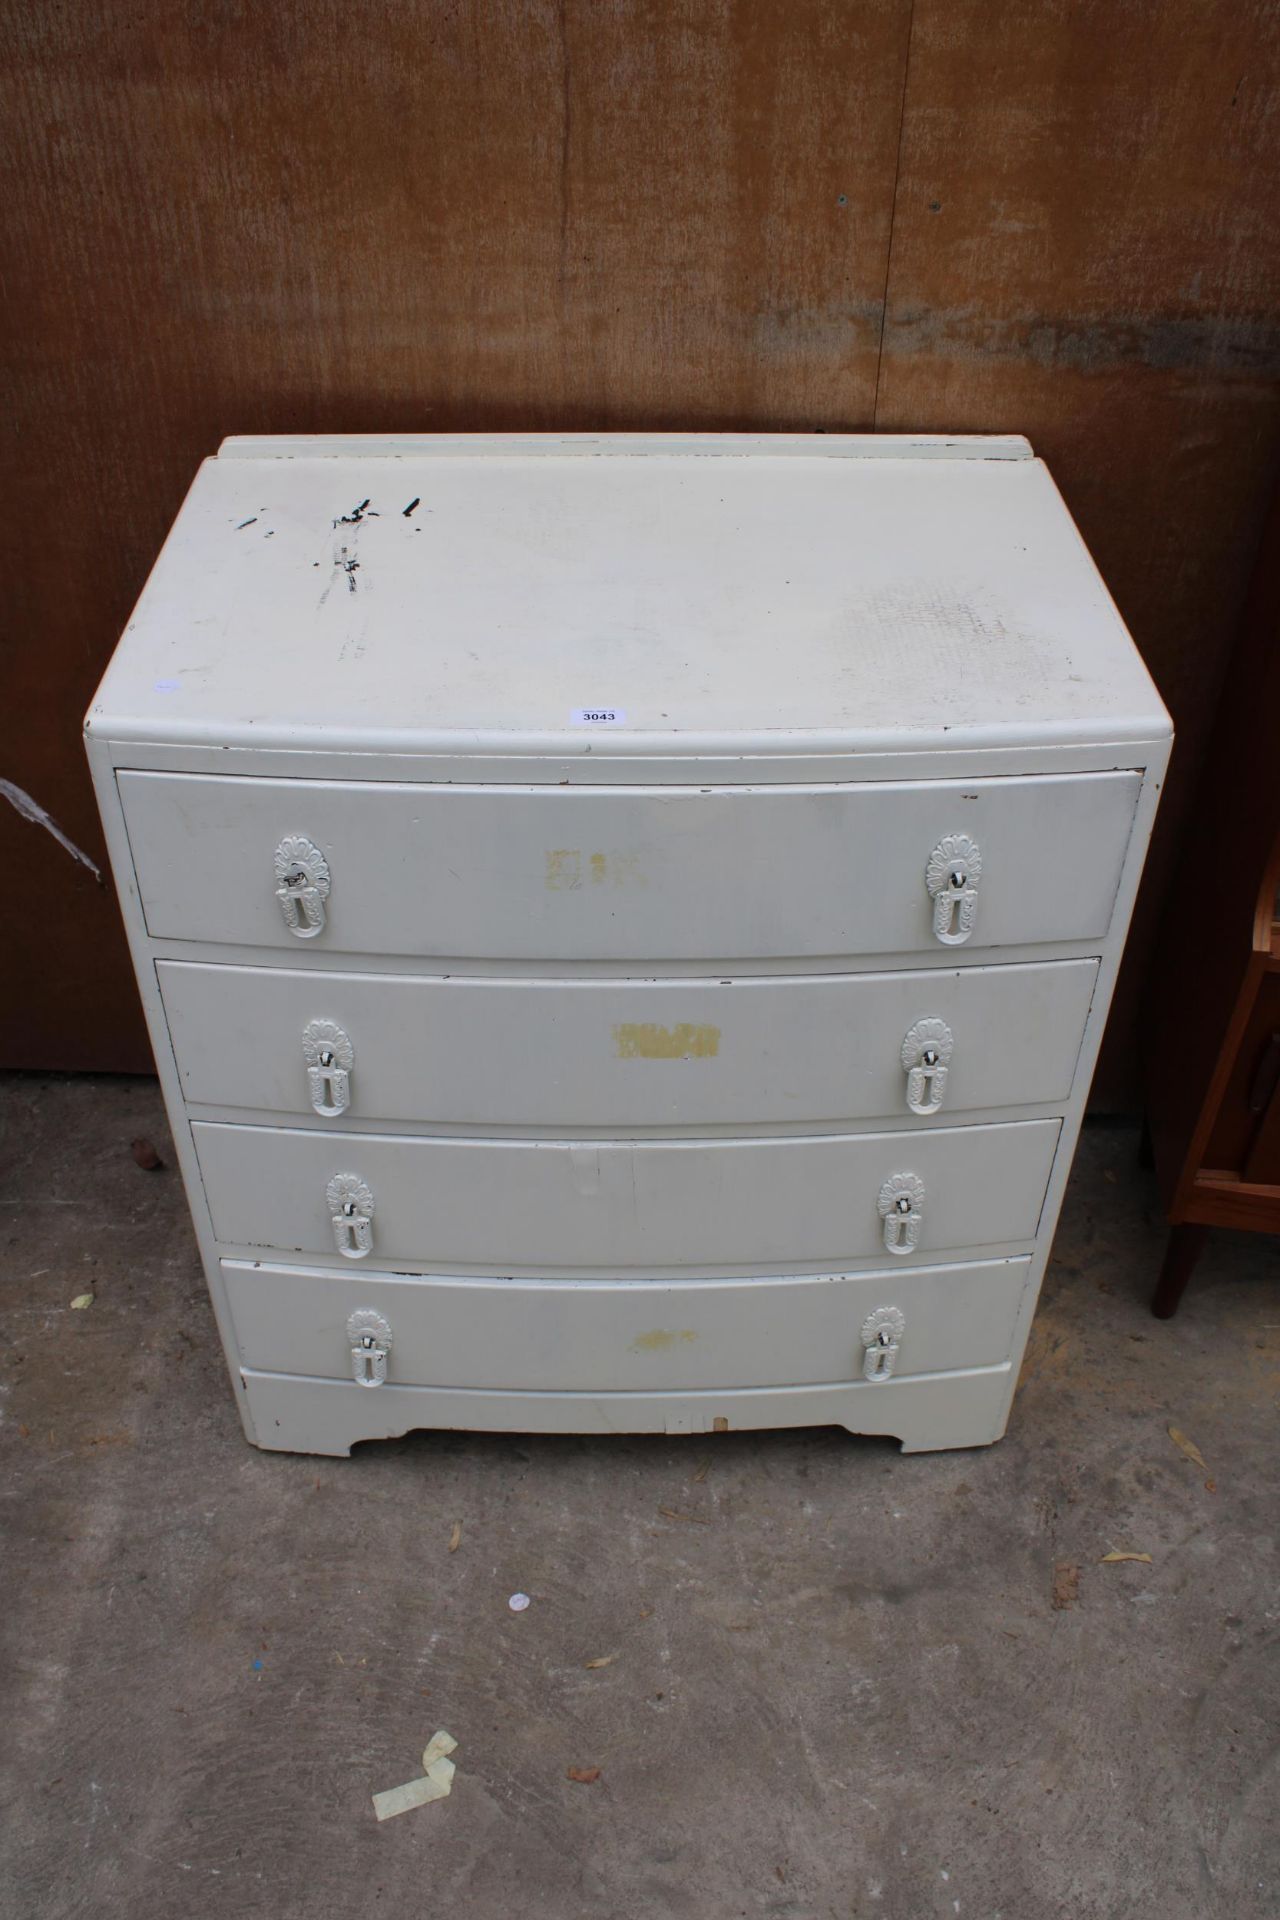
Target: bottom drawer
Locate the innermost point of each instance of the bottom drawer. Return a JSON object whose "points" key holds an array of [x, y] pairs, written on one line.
{"points": [[584, 1336]]}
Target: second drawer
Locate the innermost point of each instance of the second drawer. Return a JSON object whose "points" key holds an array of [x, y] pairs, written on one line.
{"points": [[621, 1054], [605, 1207]]}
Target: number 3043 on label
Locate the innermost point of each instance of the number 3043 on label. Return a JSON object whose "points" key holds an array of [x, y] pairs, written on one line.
{"points": [[599, 717]]}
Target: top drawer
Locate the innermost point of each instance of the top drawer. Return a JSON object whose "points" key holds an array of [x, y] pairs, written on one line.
{"points": [[582, 874]]}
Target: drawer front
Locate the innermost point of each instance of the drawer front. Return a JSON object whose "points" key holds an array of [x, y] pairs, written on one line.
{"points": [[577, 874], [623, 1054], [512, 1206], [584, 1336]]}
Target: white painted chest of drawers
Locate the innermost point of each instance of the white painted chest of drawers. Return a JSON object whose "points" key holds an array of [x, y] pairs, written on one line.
{"points": [[626, 923]]}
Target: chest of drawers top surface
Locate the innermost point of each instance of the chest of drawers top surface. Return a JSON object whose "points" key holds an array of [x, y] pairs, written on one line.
{"points": [[626, 596]]}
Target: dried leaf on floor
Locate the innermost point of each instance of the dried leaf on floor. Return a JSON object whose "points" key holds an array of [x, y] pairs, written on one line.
{"points": [[455, 1538], [604, 1660], [1066, 1585], [702, 1471], [81, 1300], [585, 1776], [671, 1513], [1188, 1447], [1110, 1559]]}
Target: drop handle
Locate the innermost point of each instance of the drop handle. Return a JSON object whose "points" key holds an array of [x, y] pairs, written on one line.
{"points": [[302, 885], [350, 1203], [882, 1333], [369, 1340], [952, 874], [329, 1056], [900, 1203], [926, 1058]]}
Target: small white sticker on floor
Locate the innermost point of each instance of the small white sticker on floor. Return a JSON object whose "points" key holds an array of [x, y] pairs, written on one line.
{"points": [[598, 717]]}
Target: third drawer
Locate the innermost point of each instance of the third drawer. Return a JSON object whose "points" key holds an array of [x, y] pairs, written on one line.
{"points": [[618, 1207]]}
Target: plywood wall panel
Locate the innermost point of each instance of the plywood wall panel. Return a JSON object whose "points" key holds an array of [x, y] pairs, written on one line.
{"points": [[1085, 250], [410, 214], [318, 217]]}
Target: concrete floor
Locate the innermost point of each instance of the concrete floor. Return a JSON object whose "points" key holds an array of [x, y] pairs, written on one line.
{"points": [[838, 1684]]}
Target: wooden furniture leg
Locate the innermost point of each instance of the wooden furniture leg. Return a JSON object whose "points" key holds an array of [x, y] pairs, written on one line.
{"points": [[1180, 1256]]}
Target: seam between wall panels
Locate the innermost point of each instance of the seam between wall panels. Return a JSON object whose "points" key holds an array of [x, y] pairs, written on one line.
{"points": [[893, 216]]}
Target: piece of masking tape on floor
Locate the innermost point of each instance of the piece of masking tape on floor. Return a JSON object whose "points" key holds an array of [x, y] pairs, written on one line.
{"points": [[435, 1784], [436, 1748]]}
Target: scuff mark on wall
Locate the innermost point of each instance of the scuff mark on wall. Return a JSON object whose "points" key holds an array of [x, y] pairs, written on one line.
{"points": [[1231, 347], [32, 810]]}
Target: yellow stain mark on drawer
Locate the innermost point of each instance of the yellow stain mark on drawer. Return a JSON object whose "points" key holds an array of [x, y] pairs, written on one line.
{"points": [[659, 1339], [642, 1040], [568, 871]]}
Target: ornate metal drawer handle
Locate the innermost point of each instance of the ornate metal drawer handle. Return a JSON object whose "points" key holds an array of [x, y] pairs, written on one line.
{"points": [[369, 1336], [302, 885], [350, 1204], [329, 1057], [952, 875], [926, 1056], [881, 1332], [901, 1206]]}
